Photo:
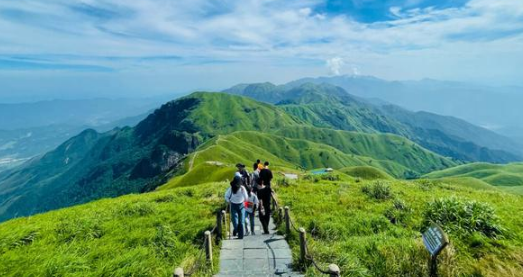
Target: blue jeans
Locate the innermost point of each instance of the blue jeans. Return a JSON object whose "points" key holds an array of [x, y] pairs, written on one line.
{"points": [[250, 217], [238, 218]]}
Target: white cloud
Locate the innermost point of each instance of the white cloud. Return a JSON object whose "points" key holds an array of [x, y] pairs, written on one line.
{"points": [[335, 64], [481, 36]]}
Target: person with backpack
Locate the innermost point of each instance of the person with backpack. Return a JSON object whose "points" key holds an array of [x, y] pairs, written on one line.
{"points": [[266, 175], [255, 180], [264, 197], [236, 195], [245, 177], [250, 208]]}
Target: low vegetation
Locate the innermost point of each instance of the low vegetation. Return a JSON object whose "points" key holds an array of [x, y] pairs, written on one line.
{"points": [[373, 228], [135, 235], [508, 177]]}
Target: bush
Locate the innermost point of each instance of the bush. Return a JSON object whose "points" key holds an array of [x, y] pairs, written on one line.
{"points": [[285, 182], [378, 190], [330, 177], [399, 213], [425, 185], [463, 217]]}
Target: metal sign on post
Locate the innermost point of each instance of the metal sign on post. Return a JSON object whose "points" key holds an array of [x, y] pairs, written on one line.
{"points": [[435, 241]]}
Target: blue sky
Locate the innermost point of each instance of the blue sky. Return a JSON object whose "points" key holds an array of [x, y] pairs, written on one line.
{"points": [[83, 48]]}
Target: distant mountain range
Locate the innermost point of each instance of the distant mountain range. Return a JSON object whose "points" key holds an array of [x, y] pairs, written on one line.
{"points": [[497, 108], [324, 105], [32, 129]]}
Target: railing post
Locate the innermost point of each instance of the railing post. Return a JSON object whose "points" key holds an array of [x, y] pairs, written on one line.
{"points": [[281, 215], [334, 270], [208, 246], [287, 220], [219, 227], [303, 245], [178, 272], [225, 223]]}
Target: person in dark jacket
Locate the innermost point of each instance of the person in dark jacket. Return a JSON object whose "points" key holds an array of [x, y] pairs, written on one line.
{"points": [[266, 175], [264, 198]]}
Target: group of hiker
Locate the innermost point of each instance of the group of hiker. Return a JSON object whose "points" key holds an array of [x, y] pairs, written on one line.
{"points": [[248, 193]]}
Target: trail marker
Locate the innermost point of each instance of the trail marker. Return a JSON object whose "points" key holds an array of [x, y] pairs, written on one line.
{"points": [[435, 241]]}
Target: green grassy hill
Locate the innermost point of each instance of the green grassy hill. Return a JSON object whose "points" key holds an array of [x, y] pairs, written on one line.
{"points": [[373, 228], [328, 106], [136, 235], [306, 148], [509, 176], [366, 172], [130, 160]]}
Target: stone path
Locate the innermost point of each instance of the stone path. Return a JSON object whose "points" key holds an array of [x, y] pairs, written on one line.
{"points": [[256, 256]]}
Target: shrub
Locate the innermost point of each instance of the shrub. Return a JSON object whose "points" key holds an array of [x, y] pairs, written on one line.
{"points": [[399, 213], [137, 209], [285, 182], [463, 217], [330, 177], [378, 190], [425, 185]]}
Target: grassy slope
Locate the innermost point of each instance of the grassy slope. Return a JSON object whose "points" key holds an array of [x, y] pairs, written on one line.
{"points": [[292, 153], [379, 146], [135, 235], [366, 172], [221, 113], [508, 177], [347, 227]]}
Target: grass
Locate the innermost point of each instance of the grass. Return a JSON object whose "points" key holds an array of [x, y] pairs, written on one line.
{"points": [[381, 236], [366, 172], [356, 153], [136, 235], [508, 177]]}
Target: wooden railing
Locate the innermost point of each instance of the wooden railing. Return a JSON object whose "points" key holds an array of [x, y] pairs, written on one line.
{"points": [[206, 248]]}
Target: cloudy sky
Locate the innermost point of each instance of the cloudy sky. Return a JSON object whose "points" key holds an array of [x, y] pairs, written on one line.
{"points": [[81, 48]]}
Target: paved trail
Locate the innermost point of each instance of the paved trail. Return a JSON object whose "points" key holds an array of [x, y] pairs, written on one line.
{"points": [[256, 256]]}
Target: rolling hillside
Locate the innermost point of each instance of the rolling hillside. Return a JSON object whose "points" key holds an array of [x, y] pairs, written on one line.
{"points": [[327, 106], [478, 104], [508, 177], [134, 235], [94, 165], [294, 149]]}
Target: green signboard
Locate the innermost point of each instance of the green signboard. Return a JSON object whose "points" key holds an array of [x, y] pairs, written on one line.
{"points": [[435, 239]]}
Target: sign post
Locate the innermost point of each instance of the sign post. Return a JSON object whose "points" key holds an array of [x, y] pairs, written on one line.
{"points": [[435, 241]]}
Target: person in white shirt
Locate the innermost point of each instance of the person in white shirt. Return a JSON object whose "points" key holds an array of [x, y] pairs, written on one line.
{"points": [[250, 209], [236, 195]]}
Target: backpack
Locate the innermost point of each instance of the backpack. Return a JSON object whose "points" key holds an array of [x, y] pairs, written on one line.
{"points": [[245, 180]]}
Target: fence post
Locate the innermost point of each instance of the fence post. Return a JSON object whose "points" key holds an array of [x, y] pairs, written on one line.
{"points": [[303, 245], [225, 223], [280, 217], [287, 220], [219, 227], [178, 272], [433, 266], [208, 246], [334, 270]]}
